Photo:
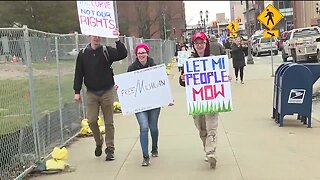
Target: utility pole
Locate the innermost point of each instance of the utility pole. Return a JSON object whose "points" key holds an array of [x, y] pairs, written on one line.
{"points": [[164, 26], [116, 14], [249, 58]]}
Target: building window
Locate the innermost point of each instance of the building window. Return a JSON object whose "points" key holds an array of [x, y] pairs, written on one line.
{"points": [[287, 4], [281, 5]]}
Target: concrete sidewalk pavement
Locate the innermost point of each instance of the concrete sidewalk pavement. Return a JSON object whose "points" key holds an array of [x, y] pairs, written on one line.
{"points": [[251, 146]]}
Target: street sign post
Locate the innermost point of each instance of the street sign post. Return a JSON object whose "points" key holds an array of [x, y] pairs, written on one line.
{"points": [[233, 26], [233, 35], [271, 54], [271, 33], [270, 17]]}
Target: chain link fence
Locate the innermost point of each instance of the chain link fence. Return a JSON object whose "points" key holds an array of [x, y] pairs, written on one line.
{"points": [[37, 111]]}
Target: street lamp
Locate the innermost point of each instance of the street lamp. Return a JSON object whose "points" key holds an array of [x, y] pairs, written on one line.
{"points": [[199, 26], [249, 58], [204, 19], [207, 15]]}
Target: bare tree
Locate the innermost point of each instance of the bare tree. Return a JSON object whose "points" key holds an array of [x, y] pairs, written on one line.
{"points": [[151, 21]]}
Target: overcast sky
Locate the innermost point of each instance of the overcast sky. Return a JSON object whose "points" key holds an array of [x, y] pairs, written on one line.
{"points": [[193, 10]]}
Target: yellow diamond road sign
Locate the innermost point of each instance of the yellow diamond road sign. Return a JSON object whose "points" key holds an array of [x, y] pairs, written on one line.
{"points": [[233, 26], [270, 17], [233, 35], [271, 33]]}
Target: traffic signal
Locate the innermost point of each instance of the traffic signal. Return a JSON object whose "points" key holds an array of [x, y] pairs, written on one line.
{"points": [[238, 20]]}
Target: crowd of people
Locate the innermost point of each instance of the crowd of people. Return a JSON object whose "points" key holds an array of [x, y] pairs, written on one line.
{"points": [[93, 68]]}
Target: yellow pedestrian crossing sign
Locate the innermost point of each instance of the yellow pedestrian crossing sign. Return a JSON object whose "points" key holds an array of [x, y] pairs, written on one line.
{"points": [[270, 16], [271, 33], [233, 35], [233, 26]]}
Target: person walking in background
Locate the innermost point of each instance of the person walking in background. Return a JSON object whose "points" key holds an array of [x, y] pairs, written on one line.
{"points": [[146, 119], [206, 124], [227, 47], [238, 59], [215, 47], [93, 66]]}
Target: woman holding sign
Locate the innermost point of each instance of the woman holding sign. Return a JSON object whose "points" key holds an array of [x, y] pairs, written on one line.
{"points": [[207, 124], [146, 119]]}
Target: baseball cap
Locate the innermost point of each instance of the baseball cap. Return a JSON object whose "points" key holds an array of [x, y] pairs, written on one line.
{"points": [[200, 35]]}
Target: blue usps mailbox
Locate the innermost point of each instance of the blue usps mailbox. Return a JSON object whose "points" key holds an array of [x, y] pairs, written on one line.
{"points": [[295, 92], [276, 89]]}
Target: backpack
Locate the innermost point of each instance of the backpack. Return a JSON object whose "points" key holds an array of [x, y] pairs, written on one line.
{"points": [[105, 52]]}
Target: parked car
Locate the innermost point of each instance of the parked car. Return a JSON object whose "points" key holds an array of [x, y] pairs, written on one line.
{"points": [[301, 44], [255, 37], [73, 52], [262, 45], [281, 39]]}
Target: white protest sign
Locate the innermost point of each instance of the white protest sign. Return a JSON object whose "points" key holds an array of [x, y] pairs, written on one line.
{"points": [[143, 89], [182, 56], [97, 18], [207, 85]]}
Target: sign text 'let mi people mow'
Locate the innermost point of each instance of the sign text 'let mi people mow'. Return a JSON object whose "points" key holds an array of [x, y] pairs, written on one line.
{"points": [[207, 85]]}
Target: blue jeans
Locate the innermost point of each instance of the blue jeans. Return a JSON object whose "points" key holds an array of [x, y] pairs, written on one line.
{"points": [[148, 119]]}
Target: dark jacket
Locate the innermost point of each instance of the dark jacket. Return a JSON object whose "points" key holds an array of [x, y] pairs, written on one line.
{"points": [[216, 48], [238, 60], [95, 69], [227, 44], [136, 65]]}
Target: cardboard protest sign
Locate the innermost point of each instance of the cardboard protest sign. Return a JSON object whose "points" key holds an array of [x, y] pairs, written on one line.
{"points": [[207, 85], [182, 56], [143, 89], [97, 18]]}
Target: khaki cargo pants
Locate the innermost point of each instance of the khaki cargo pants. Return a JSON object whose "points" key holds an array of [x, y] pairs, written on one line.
{"points": [[94, 103], [207, 125]]}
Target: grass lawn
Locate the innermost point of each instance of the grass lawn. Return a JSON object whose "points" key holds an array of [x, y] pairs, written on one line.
{"points": [[15, 105], [53, 65]]}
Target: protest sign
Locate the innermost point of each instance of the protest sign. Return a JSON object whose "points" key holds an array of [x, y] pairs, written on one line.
{"points": [[143, 89], [97, 18], [207, 85], [182, 56]]}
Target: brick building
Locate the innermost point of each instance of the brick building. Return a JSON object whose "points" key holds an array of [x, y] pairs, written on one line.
{"points": [[305, 13], [148, 18]]}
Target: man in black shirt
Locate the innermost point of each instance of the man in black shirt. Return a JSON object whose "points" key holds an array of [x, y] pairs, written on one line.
{"points": [[93, 66]]}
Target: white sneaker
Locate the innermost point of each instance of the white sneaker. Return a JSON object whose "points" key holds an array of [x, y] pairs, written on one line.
{"points": [[212, 160], [205, 159]]}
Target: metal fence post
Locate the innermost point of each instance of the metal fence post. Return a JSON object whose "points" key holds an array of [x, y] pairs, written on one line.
{"points": [[31, 91], [161, 45], [59, 88]]}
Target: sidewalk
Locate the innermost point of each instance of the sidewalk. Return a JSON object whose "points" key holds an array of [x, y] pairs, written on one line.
{"points": [[251, 146]]}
